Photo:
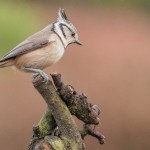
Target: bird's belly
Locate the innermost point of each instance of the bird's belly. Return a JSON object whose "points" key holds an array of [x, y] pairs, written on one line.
{"points": [[40, 58]]}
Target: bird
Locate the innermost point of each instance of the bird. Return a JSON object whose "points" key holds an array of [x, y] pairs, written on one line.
{"points": [[43, 48]]}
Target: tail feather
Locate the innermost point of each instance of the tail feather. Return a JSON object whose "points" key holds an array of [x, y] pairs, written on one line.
{"points": [[6, 63]]}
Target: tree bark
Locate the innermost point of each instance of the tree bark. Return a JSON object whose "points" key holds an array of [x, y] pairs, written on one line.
{"points": [[57, 129]]}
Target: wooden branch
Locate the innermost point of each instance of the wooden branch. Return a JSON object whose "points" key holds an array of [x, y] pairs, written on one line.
{"points": [[87, 130], [77, 103], [57, 129], [69, 131]]}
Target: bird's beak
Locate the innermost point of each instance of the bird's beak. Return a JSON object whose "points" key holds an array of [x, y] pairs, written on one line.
{"points": [[78, 42]]}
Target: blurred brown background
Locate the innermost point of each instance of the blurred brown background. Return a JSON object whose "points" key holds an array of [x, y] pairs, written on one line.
{"points": [[112, 68]]}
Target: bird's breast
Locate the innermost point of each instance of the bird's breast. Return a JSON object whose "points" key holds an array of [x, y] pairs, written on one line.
{"points": [[42, 57]]}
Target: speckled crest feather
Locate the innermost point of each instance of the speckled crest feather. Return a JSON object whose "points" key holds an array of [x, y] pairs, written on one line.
{"points": [[62, 15]]}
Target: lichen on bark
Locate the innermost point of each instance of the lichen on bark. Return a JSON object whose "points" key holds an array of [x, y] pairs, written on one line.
{"points": [[57, 129]]}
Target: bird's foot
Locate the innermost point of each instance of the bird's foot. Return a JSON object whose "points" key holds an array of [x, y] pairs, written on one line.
{"points": [[41, 73], [37, 72]]}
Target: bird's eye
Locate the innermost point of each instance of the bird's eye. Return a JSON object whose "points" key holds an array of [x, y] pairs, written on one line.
{"points": [[73, 34]]}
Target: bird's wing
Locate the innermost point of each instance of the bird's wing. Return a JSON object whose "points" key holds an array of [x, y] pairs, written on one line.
{"points": [[34, 42]]}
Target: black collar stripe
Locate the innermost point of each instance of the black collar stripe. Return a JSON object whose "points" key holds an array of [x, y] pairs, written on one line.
{"points": [[53, 29]]}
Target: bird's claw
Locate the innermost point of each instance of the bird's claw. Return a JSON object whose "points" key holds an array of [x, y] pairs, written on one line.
{"points": [[36, 73], [44, 76]]}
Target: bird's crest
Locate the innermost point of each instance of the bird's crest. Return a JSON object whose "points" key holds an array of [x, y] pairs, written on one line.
{"points": [[62, 15]]}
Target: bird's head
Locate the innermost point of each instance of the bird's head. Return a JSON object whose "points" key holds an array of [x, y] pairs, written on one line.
{"points": [[65, 29]]}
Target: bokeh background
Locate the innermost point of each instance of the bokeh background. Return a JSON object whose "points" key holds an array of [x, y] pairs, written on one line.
{"points": [[112, 68]]}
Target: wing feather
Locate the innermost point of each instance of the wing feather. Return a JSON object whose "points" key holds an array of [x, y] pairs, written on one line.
{"points": [[36, 41]]}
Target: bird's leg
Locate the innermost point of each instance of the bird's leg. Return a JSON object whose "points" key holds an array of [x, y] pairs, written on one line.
{"points": [[37, 72]]}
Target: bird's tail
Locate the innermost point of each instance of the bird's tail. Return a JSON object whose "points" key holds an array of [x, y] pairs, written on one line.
{"points": [[6, 63]]}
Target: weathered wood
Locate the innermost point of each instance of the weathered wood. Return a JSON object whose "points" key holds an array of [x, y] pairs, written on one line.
{"points": [[57, 129], [70, 134]]}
